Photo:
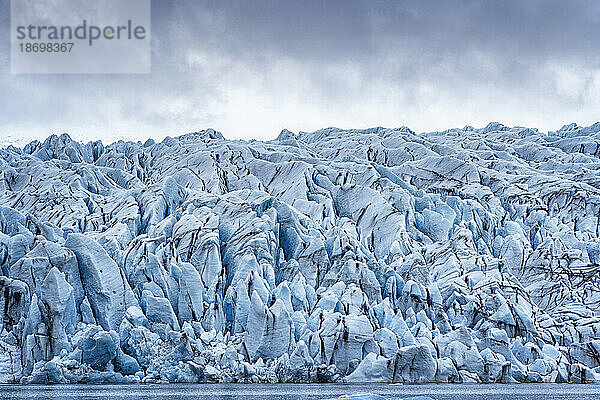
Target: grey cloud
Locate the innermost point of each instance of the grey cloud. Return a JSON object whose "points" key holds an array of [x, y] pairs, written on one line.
{"points": [[306, 64]]}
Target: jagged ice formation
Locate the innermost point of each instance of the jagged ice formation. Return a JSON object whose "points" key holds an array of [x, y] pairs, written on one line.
{"points": [[378, 255]]}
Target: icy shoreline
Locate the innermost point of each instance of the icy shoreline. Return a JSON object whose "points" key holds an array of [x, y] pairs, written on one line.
{"points": [[372, 255], [283, 391]]}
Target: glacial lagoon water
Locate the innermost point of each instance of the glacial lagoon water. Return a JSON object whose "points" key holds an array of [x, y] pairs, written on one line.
{"points": [[297, 392]]}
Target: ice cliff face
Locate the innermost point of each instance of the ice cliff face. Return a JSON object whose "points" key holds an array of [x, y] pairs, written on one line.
{"points": [[365, 255]]}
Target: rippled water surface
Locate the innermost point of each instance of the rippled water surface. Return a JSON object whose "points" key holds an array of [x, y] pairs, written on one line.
{"points": [[297, 392]]}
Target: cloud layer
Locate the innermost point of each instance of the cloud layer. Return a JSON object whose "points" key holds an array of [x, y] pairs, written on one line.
{"points": [[250, 69]]}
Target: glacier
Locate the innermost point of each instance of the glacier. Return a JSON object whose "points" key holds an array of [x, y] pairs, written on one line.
{"points": [[374, 255]]}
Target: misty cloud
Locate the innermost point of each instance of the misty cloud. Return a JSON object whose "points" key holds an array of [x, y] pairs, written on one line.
{"points": [[250, 69]]}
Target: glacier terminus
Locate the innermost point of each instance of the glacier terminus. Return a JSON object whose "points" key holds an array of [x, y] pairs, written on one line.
{"points": [[375, 255]]}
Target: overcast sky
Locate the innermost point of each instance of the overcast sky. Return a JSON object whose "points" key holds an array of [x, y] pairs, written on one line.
{"points": [[252, 68]]}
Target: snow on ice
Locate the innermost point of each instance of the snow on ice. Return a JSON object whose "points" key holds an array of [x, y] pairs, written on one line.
{"points": [[378, 255]]}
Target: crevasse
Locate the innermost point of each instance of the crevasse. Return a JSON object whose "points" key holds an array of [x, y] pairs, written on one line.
{"points": [[378, 255]]}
